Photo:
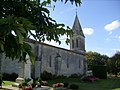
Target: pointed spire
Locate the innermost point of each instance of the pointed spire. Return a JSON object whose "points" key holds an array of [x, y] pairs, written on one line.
{"points": [[77, 27], [76, 11]]}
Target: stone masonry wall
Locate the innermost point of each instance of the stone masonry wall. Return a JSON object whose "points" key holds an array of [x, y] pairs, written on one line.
{"points": [[9, 66], [49, 58], [60, 61]]}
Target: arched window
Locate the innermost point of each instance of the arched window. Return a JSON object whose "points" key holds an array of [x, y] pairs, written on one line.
{"points": [[79, 63], [72, 43], [67, 63], [50, 58], [77, 43]]}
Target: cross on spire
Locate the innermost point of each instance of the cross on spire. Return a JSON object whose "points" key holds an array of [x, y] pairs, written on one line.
{"points": [[77, 27], [76, 11]]}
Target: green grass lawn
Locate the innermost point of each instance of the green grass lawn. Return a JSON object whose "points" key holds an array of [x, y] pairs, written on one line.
{"points": [[7, 83], [106, 84]]}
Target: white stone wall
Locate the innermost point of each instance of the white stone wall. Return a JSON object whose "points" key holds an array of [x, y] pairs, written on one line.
{"points": [[68, 62], [9, 66], [47, 56]]}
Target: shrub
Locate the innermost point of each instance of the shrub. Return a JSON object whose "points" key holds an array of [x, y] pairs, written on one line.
{"points": [[74, 86], [46, 76], [14, 76], [75, 76], [118, 73], [65, 85], [10, 77], [100, 71], [1, 81], [60, 76], [90, 78]]}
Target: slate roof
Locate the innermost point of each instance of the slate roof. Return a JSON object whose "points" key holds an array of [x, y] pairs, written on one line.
{"points": [[77, 29]]}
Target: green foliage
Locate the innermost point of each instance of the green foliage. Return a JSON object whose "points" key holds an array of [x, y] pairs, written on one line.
{"points": [[103, 84], [23, 84], [10, 77], [59, 76], [100, 71], [20, 19], [14, 46], [46, 76], [114, 63], [1, 81], [74, 86], [49, 76], [75, 76], [6, 83], [95, 58]]}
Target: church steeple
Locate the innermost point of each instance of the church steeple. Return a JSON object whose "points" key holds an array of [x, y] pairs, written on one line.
{"points": [[77, 27], [77, 40]]}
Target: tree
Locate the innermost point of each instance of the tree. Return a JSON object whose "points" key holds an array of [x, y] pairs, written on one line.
{"points": [[23, 17], [115, 63], [95, 58]]}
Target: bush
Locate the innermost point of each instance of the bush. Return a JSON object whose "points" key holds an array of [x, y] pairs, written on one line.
{"points": [[75, 76], [100, 71], [10, 77], [74, 86], [118, 73], [1, 81], [46, 76], [90, 78], [65, 85], [60, 76]]}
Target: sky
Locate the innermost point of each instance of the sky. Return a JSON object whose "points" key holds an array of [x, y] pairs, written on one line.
{"points": [[100, 21]]}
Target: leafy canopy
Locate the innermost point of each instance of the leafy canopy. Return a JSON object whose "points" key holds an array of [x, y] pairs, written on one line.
{"points": [[95, 58], [20, 18]]}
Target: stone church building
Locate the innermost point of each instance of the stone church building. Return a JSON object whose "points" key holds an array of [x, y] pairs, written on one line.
{"points": [[54, 59]]}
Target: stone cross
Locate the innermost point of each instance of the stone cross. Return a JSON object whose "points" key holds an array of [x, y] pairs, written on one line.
{"points": [[27, 69]]}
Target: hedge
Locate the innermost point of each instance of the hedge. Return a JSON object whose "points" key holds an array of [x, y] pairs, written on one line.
{"points": [[99, 71]]}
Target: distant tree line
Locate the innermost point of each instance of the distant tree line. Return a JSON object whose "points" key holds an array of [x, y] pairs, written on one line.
{"points": [[112, 63]]}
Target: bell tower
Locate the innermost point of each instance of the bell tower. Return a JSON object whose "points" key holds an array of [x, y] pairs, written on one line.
{"points": [[77, 40]]}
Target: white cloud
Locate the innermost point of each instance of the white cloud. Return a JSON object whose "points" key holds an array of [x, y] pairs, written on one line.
{"points": [[110, 32], [106, 51], [112, 26], [115, 49], [88, 31], [62, 45], [117, 37], [107, 39]]}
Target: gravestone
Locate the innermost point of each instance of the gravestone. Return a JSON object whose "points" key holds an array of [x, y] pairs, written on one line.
{"points": [[37, 69], [20, 75], [24, 71], [27, 69]]}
